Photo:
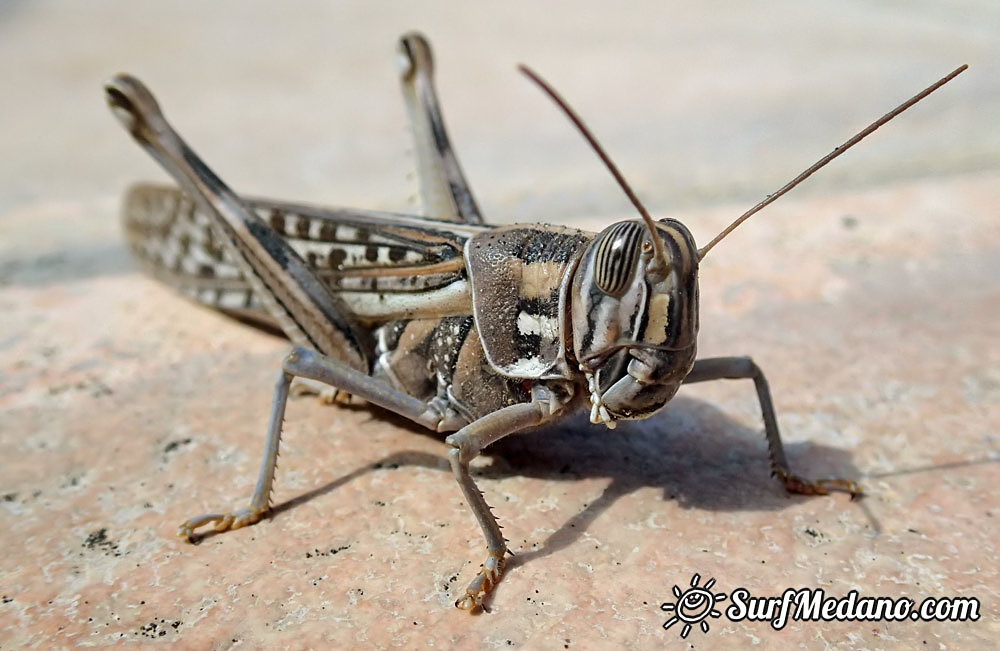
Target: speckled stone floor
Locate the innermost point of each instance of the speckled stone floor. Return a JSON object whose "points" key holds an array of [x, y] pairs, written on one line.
{"points": [[870, 297]]}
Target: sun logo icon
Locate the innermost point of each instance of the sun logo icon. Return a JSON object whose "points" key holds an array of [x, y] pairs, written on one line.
{"points": [[694, 605]]}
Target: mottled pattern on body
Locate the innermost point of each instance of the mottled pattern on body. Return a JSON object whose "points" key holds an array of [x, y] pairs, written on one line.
{"points": [[520, 275], [370, 267], [441, 361], [382, 265]]}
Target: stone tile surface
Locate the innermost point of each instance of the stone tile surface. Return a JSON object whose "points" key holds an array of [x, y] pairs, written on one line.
{"points": [[870, 297]]}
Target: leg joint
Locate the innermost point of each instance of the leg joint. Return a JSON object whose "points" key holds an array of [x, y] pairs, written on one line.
{"points": [[460, 453]]}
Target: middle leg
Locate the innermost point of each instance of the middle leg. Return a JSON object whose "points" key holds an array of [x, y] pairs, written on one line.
{"points": [[305, 363]]}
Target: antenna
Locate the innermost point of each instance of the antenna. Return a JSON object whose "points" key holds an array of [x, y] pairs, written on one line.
{"points": [[578, 121], [829, 157]]}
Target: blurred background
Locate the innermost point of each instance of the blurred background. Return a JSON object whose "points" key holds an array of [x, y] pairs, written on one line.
{"points": [[869, 295], [702, 103]]}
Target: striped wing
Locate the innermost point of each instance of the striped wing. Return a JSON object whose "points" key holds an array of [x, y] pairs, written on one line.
{"points": [[384, 266]]}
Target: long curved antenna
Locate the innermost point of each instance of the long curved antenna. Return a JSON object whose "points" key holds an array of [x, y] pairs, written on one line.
{"points": [[829, 157], [578, 121]]}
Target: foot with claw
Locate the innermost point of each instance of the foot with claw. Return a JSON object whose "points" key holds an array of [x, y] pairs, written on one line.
{"points": [[483, 584], [223, 522], [795, 484]]}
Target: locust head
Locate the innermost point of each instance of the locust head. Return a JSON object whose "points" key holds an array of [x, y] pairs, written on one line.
{"points": [[635, 292], [635, 316], [634, 304]]}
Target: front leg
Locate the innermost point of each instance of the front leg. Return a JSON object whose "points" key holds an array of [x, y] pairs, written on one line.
{"points": [[466, 446], [736, 368]]}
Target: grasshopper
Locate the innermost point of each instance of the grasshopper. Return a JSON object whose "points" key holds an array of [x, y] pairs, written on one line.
{"points": [[455, 324]]}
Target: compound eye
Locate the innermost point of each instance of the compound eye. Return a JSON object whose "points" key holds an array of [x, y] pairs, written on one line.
{"points": [[615, 260]]}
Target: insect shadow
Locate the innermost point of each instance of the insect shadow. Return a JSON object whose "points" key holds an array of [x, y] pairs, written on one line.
{"points": [[697, 455]]}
